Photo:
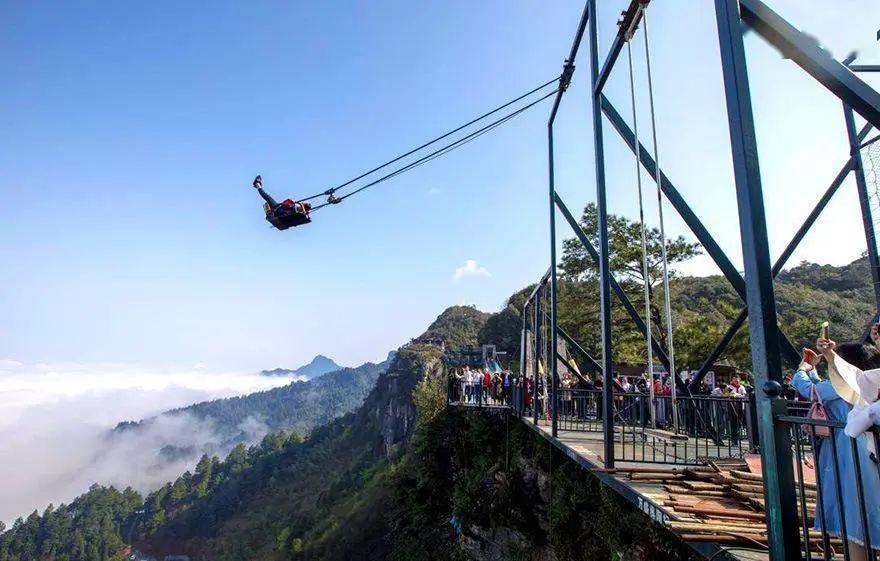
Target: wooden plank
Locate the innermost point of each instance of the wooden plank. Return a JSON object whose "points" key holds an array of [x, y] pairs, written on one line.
{"points": [[700, 493], [726, 513], [702, 486], [716, 526]]}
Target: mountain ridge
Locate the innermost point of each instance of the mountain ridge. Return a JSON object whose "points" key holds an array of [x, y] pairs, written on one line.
{"points": [[318, 366]]}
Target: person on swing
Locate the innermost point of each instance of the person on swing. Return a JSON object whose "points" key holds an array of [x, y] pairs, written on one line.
{"points": [[286, 208]]}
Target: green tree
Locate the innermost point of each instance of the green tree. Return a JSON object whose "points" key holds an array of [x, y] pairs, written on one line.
{"points": [[155, 509], [625, 250], [237, 460], [296, 548], [178, 491], [204, 470], [579, 288]]}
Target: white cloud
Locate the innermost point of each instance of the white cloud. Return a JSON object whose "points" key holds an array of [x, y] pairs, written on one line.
{"points": [[434, 191], [470, 269], [55, 421]]}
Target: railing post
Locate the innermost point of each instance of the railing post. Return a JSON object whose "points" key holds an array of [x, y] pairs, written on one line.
{"points": [[554, 382], [536, 354], [522, 367], [754, 433], [864, 203], [604, 269], [779, 490]]}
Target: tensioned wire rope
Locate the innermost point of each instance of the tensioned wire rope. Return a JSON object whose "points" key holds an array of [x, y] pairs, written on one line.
{"points": [[331, 191], [440, 151], [645, 272], [664, 256]]}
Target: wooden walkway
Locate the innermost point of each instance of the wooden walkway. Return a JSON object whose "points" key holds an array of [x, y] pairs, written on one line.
{"points": [[586, 449]]}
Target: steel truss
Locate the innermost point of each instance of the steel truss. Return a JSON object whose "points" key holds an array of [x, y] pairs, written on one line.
{"points": [[768, 344]]}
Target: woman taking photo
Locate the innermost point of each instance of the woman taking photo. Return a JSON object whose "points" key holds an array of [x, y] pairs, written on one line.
{"points": [[840, 514]]}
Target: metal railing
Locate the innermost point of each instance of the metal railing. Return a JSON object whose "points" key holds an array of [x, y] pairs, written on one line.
{"points": [[838, 485], [837, 478], [710, 427]]}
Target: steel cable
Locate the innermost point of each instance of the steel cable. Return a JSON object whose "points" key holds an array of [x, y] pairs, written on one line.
{"points": [[433, 141], [442, 151]]}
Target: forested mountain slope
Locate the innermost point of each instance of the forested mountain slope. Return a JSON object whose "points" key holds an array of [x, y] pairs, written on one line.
{"points": [[379, 483], [327, 497], [297, 407]]}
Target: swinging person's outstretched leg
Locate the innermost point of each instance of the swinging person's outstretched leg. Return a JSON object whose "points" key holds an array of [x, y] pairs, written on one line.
{"points": [[258, 185]]}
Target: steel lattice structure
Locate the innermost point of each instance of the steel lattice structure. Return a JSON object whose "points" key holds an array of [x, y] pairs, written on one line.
{"points": [[770, 347]]}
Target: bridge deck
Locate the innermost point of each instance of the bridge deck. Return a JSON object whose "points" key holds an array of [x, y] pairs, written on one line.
{"points": [[647, 491], [586, 449]]}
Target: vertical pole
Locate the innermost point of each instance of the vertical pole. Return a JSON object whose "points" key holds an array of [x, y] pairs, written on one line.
{"points": [[537, 355], [554, 382], [864, 202], [604, 270], [754, 437], [779, 490], [518, 395]]}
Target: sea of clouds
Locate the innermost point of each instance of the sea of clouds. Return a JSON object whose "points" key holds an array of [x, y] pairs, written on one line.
{"points": [[55, 423]]}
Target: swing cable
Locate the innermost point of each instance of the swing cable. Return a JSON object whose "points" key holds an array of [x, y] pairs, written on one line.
{"points": [[663, 253], [332, 190], [440, 151], [645, 272]]}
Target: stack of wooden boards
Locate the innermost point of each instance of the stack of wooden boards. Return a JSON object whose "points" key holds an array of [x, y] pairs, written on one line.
{"points": [[721, 501]]}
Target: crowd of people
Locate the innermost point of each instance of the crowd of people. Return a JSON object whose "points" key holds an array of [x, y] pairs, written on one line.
{"points": [[481, 386], [844, 456], [471, 385]]}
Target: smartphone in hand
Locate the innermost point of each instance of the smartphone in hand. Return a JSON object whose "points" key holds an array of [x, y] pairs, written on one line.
{"points": [[810, 357]]}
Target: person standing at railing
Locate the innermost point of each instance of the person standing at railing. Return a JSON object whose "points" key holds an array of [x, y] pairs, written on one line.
{"points": [[497, 382], [473, 386], [659, 402], [567, 385], [477, 386], [465, 388], [461, 376], [867, 413], [505, 386], [844, 509], [486, 380], [452, 386], [529, 392], [736, 409]]}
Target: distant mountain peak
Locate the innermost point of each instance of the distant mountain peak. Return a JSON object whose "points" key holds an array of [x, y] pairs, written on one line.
{"points": [[318, 366], [323, 360]]}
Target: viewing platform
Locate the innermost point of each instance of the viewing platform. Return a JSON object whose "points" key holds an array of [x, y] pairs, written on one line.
{"points": [[703, 485]]}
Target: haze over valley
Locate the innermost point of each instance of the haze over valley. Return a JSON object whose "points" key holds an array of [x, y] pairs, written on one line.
{"points": [[57, 421]]}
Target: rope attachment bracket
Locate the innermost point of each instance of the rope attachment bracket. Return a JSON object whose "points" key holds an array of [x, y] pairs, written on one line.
{"points": [[332, 199], [631, 17], [565, 77]]}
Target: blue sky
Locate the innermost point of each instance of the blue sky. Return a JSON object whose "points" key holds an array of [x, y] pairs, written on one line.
{"points": [[129, 233]]}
